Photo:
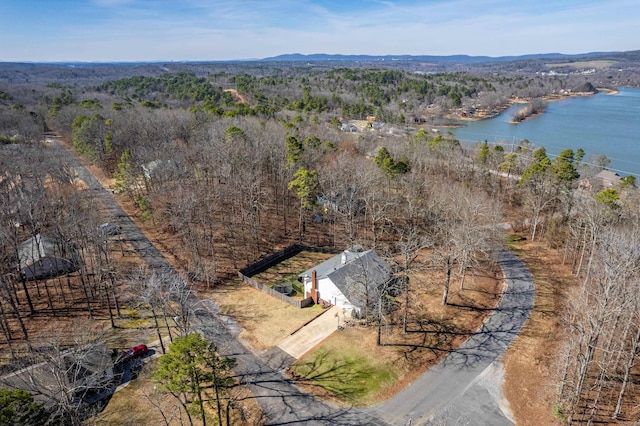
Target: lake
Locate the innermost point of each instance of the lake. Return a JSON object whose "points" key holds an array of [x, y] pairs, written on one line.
{"points": [[601, 125]]}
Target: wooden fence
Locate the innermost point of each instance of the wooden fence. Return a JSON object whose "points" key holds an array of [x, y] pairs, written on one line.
{"points": [[271, 292], [262, 265]]}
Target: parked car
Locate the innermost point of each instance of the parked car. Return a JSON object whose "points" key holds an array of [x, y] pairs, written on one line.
{"points": [[108, 229], [136, 352]]}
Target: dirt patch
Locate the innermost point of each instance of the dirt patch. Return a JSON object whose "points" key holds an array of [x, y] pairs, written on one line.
{"points": [[530, 361], [237, 96]]}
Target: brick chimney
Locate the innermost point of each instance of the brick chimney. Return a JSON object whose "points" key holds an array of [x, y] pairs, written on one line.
{"points": [[314, 287]]}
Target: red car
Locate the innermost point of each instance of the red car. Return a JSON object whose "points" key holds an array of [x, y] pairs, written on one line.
{"points": [[136, 351]]}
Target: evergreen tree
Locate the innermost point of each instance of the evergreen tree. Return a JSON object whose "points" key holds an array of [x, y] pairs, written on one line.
{"points": [[484, 152], [18, 408], [189, 368]]}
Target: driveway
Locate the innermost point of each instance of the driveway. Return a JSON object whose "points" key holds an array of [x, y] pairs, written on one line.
{"points": [[306, 338]]}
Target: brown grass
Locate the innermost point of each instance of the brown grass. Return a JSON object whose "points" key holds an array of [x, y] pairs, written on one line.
{"points": [[291, 267], [134, 404], [264, 320], [287, 271], [140, 403]]}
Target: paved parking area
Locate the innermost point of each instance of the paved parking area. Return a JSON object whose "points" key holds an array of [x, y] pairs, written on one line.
{"points": [[305, 339]]}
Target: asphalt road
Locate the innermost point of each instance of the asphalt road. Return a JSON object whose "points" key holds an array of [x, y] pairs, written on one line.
{"points": [[464, 387]]}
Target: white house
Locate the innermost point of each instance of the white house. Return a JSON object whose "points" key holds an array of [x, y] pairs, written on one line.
{"points": [[351, 280]]}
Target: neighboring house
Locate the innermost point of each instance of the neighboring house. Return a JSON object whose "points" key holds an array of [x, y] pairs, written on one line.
{"points": [[67, 377], [41, 257], [349, 128], [607, 179], [152, 168], [341, 202], [351, 280]]}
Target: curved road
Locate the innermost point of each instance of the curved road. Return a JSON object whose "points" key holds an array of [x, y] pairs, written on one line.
{"points": [[455, 388], [462, 387]]}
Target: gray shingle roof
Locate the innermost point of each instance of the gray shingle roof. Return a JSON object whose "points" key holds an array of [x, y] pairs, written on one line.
{"points": [[36, 248], [357, 275]]}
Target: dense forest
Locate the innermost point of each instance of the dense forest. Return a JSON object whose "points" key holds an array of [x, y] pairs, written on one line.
{"points": [[236, 161]]}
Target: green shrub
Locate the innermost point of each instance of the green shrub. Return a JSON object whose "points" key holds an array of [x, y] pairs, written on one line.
{"points": [[557, 412]]}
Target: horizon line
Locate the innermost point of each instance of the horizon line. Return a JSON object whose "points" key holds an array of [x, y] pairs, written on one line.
{"points": [[402, 56]]}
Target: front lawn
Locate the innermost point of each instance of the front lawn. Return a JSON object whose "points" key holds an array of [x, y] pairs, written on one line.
{"points": [[352, 373]]}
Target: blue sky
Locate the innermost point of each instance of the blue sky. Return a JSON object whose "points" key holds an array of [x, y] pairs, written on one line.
{"points": [[145, 30]]}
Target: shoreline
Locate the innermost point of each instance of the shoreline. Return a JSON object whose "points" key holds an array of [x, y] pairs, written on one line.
{"points": [[514, 101], [609, 91], [561, 97], [459, 115], [526, 118]]}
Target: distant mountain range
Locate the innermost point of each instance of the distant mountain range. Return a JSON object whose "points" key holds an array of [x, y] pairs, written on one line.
{"points": [[626, 56], [462, 59]]}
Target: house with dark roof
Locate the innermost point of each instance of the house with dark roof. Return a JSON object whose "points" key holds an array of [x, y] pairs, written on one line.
{"points": [[41, 257], [64, 377], [351, 280]]}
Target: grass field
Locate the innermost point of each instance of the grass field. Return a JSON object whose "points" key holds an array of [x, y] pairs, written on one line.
{"points": [[584, 64], [354, 374]]}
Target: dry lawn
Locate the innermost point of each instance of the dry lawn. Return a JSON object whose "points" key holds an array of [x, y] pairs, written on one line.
{"points": [[287, 271], [291, 267], [264, 320], [140, 403]]}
